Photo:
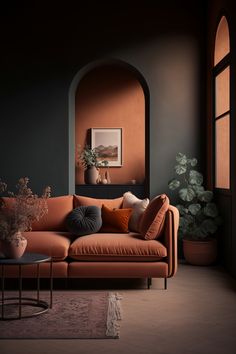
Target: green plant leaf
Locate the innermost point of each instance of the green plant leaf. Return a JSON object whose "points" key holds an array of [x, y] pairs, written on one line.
{"points": [[180, 169], [195, 177], [187, 194], [174, 184], [211, 210], [194, 208], [205, 196], [181, 159], [209, 226], [200, 233], [192, 162], [198, 189], [182, 209]]}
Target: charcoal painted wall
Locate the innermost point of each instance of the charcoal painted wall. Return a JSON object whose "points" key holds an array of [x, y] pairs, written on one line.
{"points": [[42, 50]]}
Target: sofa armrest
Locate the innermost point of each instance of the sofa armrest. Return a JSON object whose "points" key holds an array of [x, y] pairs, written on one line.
{"points": [[171, 238]]}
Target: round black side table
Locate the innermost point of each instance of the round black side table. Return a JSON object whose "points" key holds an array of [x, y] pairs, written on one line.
{"points": [[42, 306]]}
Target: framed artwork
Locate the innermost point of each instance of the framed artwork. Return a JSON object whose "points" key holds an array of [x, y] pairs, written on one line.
{"points": [[108, 144]]}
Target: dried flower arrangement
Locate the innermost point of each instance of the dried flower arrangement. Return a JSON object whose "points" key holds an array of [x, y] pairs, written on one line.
{"points": [[18, 212]]}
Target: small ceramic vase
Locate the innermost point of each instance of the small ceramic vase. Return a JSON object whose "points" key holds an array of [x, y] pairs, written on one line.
{"points": [[15, 247]]}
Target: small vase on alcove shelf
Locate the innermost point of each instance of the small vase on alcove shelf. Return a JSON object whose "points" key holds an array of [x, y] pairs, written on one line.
{"points": [[89, 160]]}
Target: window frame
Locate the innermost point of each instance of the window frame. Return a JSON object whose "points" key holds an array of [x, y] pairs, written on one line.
{"points": [[216, 70]]}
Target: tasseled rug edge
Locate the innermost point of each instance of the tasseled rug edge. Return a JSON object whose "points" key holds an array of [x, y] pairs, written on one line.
{"points": [[114, 315]]}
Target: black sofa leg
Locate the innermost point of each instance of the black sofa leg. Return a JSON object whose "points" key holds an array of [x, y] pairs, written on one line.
{"points": [[165, 283], [149, 282]]}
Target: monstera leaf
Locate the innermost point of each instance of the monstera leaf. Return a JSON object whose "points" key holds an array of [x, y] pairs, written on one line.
{"points": [[187, 194], [198, 189], [211, 210], [182, 209], [180, 169], [192, 162], [194, 208], [181, 159], [205, 196], [195, 177], [174, 184], [209, 226]]}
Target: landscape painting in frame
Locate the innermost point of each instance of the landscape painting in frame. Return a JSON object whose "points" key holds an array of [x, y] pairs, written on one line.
{"points": [[108, 144]]}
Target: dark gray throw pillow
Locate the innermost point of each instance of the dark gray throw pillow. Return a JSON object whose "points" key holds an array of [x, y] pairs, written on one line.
{"points": [[84, 220]]}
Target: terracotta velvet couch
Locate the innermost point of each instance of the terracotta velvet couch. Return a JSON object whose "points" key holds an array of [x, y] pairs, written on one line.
{"points": [[99, 255]]}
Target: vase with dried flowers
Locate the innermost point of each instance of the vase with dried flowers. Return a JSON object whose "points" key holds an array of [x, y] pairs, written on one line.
{"points": [[17, 213], [90, 161]]}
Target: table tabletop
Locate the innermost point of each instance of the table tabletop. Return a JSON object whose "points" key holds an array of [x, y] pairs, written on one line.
{"points": [[27, 258]]}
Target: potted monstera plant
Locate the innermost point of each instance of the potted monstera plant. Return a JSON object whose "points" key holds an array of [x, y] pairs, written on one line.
{"points": [[199, 215]]}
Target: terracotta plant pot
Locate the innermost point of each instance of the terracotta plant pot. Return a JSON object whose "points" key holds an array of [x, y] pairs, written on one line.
{"points": [[91, 175], [201, 253], [14, 248]]}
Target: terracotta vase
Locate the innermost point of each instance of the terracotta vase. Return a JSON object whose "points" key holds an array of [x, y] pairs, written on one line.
{"points": [[107, 177], [91, 175], [15, 247], [201, 253]]}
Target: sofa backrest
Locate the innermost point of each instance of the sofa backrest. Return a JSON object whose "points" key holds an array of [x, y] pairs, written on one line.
{"points": [[55, 219], [86, 201]]}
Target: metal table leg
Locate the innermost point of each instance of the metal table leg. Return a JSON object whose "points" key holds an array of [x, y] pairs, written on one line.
{"points": [[20, 290], [38, 283], [3, 285], [51, 283]]}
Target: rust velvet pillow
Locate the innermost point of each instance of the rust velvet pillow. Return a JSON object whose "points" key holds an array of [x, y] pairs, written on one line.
{"points": [[153, 218], [115, 220]]}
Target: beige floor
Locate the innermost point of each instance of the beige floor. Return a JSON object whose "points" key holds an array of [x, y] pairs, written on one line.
{"points": [[196, 315]]}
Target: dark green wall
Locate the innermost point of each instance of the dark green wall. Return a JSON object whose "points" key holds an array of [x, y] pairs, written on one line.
{"points": [[43, 48]]}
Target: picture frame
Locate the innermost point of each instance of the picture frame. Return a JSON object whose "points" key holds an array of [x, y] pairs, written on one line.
{"points": [[108, 144]]}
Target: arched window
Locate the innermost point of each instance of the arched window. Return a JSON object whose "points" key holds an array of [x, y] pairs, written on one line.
{"points": [[221, 73]]}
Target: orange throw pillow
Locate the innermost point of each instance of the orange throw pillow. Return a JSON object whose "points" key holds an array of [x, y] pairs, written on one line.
{"points": [[153, 218], [115, 220]]}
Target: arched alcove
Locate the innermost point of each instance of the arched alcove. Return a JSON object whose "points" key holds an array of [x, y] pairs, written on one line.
{"points": [[111, 94]]}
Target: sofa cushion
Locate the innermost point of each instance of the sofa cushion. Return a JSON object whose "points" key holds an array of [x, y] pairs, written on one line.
{"points": [[84, 220], [152, 221], [138, 207], [110, 203], [115, 220], [55, 220], [116, 247], [53, 244]]}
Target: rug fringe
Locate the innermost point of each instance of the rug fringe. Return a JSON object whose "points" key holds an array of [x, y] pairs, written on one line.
{"points": [[114, 314]]}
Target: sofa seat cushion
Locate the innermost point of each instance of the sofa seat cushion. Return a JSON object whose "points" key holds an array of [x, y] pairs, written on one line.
{"points": [[116, 247], [52, 243]]}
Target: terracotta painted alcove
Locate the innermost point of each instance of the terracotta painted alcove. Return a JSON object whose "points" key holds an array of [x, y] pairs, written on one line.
{"points": [[113, 95]]}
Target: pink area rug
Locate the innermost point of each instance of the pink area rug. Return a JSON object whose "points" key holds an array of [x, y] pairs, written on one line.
{"points": [[81, 314]]}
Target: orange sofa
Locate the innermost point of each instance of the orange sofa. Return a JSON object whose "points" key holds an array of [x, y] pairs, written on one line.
{"points": [[99, 255]]}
